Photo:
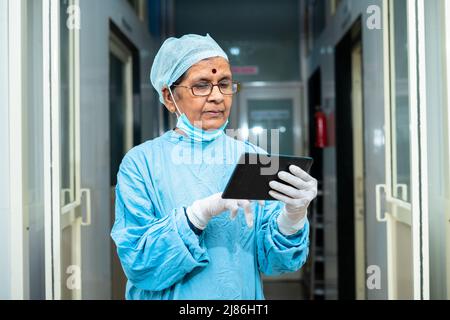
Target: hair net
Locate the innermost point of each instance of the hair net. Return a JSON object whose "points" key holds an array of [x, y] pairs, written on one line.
{"points": [[177, 55]]}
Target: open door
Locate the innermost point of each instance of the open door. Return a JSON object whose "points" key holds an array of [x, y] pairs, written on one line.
{"points": [[350, 165]]}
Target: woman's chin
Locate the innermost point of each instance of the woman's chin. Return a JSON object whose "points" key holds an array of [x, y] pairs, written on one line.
{"points": [[213, 124]]}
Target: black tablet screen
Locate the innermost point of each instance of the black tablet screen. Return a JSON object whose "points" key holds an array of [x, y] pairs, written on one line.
{"points": [[251, 176]]}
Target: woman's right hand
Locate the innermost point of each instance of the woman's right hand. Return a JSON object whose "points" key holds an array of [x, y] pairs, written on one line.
{"points": [[201, 211]]}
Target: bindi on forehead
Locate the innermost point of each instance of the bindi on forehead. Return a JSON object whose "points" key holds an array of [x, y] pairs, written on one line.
{"points": [[214, 71]]}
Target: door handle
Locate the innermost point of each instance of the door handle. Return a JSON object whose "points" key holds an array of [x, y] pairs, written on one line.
{"points": [[63, 196], [88, 207], [377, 202], [404, 189]]}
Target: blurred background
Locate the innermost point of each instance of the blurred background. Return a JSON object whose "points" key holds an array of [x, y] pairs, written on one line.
{"points": [[362, 86]]}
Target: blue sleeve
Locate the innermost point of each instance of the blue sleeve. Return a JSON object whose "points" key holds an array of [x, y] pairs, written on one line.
{"points": [[277, 253], [156, 249]]}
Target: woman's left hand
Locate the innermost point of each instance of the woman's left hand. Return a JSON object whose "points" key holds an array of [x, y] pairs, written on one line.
{"points": [[297, 194]]}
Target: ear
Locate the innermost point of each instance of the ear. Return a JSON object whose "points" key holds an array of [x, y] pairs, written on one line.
{"points": [[168, 101]]}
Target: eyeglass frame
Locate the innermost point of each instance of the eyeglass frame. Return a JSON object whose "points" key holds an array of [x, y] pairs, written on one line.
{"points": [[238, 87]]}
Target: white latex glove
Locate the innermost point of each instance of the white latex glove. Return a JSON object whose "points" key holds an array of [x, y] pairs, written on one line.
{"points": [[297, 194], [201, 211]]}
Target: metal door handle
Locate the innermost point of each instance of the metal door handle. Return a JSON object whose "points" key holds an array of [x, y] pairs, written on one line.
{"points": [[404, 188], [377, 202], [88, 207]]}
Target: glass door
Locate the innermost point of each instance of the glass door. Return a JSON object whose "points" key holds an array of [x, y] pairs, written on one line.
{"points": [[405, 212], [63, 219]]}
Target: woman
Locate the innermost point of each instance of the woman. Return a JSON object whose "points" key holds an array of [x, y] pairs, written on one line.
{"points": [[176, 237]]}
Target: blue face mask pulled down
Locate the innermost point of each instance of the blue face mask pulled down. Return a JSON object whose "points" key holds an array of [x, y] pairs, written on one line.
{"points": [[198, 134], [195, 133]]}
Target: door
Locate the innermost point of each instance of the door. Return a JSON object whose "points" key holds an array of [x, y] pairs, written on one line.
{"points": [[263, 107], [64, 210], [349, 164], [404, 212], [121, 133]]}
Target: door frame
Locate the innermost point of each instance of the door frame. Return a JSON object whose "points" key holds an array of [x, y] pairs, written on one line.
{"points": [[447, 59], [19, 240], [345, 179], [121, 51]]}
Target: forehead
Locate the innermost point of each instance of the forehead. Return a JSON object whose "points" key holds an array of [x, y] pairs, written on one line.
{"points": [[216, 66]]}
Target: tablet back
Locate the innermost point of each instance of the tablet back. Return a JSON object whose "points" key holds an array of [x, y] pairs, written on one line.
{"points": [[251, 176]]}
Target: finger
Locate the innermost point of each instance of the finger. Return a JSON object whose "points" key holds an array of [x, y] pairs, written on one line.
{"points": [[293, 180], [309, 194], [248, 213], [280, 197], [233, 212], [305, 198], [285, 189], [243, 203], [233, 207], [299, 172]]}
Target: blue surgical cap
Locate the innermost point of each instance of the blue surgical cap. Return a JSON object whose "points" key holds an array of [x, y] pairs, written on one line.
{"points": [[177, 55]]}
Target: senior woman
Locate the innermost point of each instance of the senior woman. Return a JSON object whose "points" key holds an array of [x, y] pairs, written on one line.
{"points": [[176, 237]]}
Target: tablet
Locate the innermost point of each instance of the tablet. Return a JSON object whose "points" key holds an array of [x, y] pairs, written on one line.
{"points": [[251, 176]]}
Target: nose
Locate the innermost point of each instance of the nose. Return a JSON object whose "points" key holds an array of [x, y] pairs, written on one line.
{"points": [[215, 95]]}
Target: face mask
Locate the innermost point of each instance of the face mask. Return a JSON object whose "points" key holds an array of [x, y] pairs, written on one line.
{"points": [[196, 134]]}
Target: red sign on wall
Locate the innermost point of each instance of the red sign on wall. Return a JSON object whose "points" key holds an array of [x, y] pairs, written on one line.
{"points": [[245, 70]]}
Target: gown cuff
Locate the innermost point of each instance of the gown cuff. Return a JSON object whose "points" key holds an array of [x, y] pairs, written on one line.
{"points": [[289, 227]]}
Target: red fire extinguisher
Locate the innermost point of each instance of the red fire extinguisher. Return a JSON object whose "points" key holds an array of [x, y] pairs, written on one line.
{"points": [[320, 123]]}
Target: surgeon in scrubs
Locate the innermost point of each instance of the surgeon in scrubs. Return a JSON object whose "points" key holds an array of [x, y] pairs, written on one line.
{"points": [[176, 237]]}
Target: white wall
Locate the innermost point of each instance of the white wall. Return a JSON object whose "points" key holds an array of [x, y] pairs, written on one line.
{"points": [[5, 221], [95, 141], [336, 28]]}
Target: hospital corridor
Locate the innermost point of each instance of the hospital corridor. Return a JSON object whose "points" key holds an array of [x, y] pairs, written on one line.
{"points": [[360, 86]]}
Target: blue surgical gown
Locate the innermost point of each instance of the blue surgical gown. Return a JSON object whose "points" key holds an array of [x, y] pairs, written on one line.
{"points": [[162, 257]]}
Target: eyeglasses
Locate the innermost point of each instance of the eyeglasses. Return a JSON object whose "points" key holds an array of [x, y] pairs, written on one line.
{"points": [[227, 88]]}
